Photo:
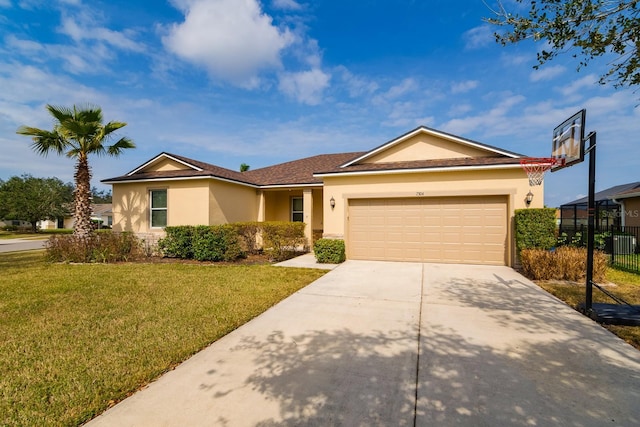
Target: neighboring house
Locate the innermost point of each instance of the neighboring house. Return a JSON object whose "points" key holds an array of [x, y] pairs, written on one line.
{"points": [[629, 201], [618, 205], [100, 213], [424, 196]]}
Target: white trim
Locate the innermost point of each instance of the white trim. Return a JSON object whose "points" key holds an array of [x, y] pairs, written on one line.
{"points": [[423, 129], [126, 181], [168, 157], [421, 170], [625, 195]]}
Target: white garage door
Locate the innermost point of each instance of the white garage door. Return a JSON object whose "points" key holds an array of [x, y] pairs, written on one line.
{"points": [[441, 229]]}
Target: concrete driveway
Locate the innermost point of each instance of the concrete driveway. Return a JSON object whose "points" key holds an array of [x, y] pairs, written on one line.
{"points": [[402, 344]]}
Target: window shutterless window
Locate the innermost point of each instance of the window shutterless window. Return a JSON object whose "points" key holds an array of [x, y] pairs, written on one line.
{"points": [[296, 209], [158, 208]]}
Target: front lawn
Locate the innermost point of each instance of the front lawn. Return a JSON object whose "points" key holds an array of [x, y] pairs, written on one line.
{"points": [[622, 284], [78, 338]]}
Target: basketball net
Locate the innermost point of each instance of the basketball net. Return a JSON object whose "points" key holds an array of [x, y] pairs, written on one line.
{"points": [[535, 167]]}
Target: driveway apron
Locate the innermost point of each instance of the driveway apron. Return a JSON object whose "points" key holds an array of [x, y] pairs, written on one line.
{"points": [[402, 344]]}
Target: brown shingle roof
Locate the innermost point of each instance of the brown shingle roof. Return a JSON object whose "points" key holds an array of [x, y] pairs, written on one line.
{"points": [[423, 164], [299, 171]]}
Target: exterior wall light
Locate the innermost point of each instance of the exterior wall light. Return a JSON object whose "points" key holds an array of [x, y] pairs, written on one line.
{"points": [[529, 198], [332, 202]]}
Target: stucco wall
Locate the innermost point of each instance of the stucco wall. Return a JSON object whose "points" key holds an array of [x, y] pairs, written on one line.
{"points": [[187, 204], [632, 212], [231, 203], [425, 146]]}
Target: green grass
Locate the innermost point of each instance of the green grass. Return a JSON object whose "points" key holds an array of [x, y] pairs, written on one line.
{"points": [[627, 286], [78, 338]]}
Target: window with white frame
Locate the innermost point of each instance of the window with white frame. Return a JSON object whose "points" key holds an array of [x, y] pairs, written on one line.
{"points": [[297, 214], [158, 208]]}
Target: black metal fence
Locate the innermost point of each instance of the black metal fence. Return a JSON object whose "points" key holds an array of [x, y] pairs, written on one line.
{"points": [[622, 243]]}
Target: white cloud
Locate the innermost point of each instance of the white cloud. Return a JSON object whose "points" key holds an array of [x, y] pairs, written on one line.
{"points": [[5, 3], [586, 82], [478, 37], [233, 39], [405, 86], [492, 122], [87, 29], [462, 87], [356, 85], [286, 4], [305, 86], [546, 73]]}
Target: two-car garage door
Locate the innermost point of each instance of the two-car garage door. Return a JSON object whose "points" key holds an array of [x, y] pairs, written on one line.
{"points": [[434, 229]]}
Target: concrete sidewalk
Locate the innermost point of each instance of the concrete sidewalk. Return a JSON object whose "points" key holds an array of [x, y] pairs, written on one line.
{"points": [[387, 344]]}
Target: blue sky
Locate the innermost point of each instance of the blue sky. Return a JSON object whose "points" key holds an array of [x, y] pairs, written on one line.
{"points": [[262, 82]]}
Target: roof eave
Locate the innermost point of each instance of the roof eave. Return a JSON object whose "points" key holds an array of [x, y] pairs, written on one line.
{"points": [[417, 170], [179, 178]]}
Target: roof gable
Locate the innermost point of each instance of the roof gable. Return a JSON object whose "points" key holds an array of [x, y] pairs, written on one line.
{"points": [[425, 144], [164, 162]]}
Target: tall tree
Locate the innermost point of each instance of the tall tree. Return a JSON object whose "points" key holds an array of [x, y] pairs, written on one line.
{"points": [[77, 133], [592, 28], [100, 196], [34, 199]]}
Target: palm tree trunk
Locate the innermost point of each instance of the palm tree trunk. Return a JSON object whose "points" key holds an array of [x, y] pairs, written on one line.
{"points": [[82, 194]]}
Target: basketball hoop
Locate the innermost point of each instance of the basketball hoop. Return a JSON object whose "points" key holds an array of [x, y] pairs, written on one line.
{"points": [[535, 167]]}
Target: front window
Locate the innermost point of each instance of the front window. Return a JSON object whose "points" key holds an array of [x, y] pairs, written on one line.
{"points": [[158, 208], [296, 209]]}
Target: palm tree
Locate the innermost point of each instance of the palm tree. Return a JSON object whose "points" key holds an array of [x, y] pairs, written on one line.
{"points": [[77, 133]]}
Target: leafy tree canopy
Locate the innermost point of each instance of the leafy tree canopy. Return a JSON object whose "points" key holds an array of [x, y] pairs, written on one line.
{"points": [[100, 196], [588, 28], [34, 199]]}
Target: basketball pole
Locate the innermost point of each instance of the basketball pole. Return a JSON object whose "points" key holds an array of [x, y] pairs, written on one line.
{"points": [[588, 304]]}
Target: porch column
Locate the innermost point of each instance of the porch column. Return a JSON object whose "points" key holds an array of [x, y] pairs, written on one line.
{"points": [[307, 209], [261, 206]]}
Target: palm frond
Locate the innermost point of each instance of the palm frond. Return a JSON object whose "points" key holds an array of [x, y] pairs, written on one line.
{"points": [[44, 141], [121, 145]]}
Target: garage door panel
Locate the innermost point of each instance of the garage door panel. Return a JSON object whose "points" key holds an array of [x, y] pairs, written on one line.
{"points": [[446, 229]]}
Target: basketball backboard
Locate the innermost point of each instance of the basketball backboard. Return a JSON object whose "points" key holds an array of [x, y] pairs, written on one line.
{"points": [[568, 141]]}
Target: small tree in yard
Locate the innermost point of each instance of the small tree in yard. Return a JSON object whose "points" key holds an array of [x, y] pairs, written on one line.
{"points": [[78, 132], [34, 199]]}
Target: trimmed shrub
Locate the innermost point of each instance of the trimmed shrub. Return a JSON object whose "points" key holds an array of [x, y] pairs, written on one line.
{"points": [[535, 228], [283, 239], [216, 243], [565, 263], [103, 247], [248, 234], [178, 242], [329, 251]]}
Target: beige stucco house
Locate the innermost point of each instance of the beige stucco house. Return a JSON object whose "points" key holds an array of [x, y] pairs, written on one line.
{"points": [[423, 196]]}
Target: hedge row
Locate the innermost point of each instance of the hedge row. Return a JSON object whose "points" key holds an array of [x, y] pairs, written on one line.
{"points": [[535, 228], [229, 242], [564, 263], [100, 247]]}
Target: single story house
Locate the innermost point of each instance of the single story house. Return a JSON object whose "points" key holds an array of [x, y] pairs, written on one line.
{"points": [[100, 213], [615, 206], [424, 196]]}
